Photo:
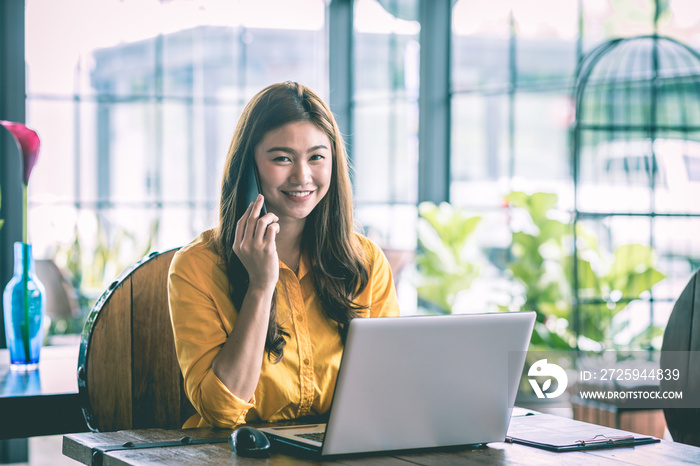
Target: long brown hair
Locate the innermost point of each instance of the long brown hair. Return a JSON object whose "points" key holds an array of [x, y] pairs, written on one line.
{"points": [[337, 260]]}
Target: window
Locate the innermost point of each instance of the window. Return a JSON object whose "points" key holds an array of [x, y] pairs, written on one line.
{"points": [[512, 111], [136, 103], [385, 130]]}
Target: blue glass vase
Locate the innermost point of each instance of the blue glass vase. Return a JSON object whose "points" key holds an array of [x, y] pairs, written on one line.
{"points": [[23, 308]]}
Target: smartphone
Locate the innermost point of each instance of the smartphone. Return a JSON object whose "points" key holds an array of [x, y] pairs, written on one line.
{"points": [[252, 188]]}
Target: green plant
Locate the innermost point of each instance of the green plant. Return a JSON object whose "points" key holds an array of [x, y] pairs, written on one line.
{"points": [[537, 263], [115, 250], [608, 284], [542, 262], [442, 262], [90, 271]]}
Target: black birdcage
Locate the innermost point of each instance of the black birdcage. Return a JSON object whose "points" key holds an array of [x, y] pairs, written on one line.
{"points": [[636, 169]]}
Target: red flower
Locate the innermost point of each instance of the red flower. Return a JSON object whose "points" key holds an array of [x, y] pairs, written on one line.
{"points": [[28, 144]]}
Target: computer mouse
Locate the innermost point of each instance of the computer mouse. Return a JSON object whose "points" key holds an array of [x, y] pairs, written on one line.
{"points": [[250, 442]]}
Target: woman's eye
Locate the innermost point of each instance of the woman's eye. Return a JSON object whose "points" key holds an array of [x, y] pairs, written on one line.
{"points": [[281, 158], [317, 157]]}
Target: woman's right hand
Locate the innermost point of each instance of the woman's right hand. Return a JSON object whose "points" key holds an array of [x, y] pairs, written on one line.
{"points": [[255, 245]]}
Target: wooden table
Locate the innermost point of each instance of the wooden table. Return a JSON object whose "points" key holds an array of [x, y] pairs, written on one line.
{"points": [[79, 447], [41, 402]]}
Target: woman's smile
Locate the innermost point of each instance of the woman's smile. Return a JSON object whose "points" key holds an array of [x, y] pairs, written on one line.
{"points": [[298, 196], [294, 162]]}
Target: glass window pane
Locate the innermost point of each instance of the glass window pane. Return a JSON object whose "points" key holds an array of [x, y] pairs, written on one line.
{"points": [[127, 168], [546, 32], [386, 161], [178, 168], [53, 178], [481, 35], [385, 53], [480, 150], [542, 161]]}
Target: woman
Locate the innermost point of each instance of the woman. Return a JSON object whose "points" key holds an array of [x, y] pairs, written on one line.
{"points": [[260, 305]]}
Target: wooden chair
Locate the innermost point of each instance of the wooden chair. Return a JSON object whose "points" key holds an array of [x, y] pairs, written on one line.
{"points": [[681, 349], [128, 374]]}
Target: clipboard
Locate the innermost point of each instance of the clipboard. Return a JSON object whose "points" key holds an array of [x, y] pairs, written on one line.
{"points": [[555, 433]]}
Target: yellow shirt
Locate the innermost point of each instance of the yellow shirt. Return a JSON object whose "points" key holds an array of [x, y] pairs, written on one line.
{"points": [[302, 382]]}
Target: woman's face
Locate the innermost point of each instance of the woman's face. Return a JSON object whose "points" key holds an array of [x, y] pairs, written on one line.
{"points": [[294, 165]]}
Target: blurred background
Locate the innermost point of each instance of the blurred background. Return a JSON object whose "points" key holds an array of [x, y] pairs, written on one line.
{"points": [[507, 155], [473, 168]]}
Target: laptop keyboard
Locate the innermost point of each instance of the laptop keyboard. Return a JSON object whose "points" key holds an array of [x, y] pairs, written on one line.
{"points": [[317, 436]]}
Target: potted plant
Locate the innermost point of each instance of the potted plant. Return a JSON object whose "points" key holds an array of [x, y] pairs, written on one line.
{"points": [[24, 300]]}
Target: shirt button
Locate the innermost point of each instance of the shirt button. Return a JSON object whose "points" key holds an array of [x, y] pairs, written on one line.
{"points": [[300, 318], [306, 362]]}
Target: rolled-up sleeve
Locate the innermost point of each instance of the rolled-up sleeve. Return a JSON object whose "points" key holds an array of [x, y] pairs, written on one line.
{"points": [[200, 331]]}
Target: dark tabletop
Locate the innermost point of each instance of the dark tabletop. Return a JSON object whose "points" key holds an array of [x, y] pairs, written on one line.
{"points": [[41, 402]]}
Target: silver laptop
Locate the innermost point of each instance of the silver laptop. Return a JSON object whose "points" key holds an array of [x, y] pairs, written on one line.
{"points": [[421, 382]]}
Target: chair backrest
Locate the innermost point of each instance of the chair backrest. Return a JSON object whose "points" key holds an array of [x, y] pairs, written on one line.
{"points": [[128, 374], [681, 349]]}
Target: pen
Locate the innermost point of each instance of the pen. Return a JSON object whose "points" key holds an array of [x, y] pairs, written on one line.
{"points": [[599, 439]]}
